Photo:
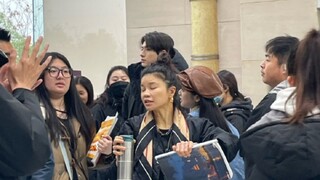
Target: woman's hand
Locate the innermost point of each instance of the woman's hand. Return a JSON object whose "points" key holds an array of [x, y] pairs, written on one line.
{"points": [[183, 148], [105, 145], [118, 146]]}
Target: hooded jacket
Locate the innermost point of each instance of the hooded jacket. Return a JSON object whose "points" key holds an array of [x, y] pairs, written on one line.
{"points": [[264, 106], [275, 149], [237, 112], [132, 104]]}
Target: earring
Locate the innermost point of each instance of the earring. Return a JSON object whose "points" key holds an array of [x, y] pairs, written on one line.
{"points": [[171, 100]]}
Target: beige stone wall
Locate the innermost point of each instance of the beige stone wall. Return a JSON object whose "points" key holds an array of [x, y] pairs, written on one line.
{"points": [[96, 36], [263, 20], [91, 34]]}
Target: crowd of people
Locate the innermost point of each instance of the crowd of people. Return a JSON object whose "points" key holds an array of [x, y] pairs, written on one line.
{"points": [[165, 105]]}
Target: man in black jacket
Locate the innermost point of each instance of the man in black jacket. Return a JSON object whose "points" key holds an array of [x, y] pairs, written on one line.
{"points": [[152, 44], [24, 143], [274, 72]]}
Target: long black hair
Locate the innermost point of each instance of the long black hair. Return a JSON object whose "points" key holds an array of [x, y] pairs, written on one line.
{"points": [[73, 104], [86, 83], [229, 81], [208, 109], [307, 69]]}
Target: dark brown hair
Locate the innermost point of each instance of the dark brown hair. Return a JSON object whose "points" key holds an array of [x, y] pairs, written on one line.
{"points": [[308, 76], [229, 81]]}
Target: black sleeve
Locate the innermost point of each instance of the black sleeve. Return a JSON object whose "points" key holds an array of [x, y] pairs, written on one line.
{"points": [[261, 109], [98, 115], [125, 110], [206, 131], [24, 139], [238, 121]]}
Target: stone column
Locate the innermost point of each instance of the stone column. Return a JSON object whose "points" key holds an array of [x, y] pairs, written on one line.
{"points": [[204, 24]]}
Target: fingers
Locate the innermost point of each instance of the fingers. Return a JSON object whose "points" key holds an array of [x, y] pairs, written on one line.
{"points": [[118, 147], [42, 54], [183, 148], [45, 63], [12, 59], [3, 72], [4, 77], [25, 52], [105, 146], [107, 137], [36, 48]]}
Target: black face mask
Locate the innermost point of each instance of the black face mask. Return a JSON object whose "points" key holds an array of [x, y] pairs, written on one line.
{"points": [[116, 90]]}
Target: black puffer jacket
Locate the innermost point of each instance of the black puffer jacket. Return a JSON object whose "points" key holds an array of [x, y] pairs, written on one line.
{"points": [[275, 149], [132, 104], [237, 112], [279, 150]]}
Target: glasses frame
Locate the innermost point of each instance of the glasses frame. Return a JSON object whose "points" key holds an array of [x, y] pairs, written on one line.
{"points": [[59, 71]]}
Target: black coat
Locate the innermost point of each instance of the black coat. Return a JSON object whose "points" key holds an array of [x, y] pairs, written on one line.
{"points": [[237, 112], [24, 142], [132, 104], [200, 130], [264, 106], [278, 150]]}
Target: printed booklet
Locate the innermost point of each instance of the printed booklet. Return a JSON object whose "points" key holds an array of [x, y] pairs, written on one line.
{"points": [[106, 128], [207, 161]]}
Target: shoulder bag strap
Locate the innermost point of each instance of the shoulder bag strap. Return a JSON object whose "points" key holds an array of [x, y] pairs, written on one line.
{"points": [[66, 159]]}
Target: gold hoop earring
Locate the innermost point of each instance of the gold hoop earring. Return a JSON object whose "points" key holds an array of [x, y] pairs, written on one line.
{"points": [[171, 100]]}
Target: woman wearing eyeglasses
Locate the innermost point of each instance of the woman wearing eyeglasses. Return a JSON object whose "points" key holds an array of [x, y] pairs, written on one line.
{"points": [[71, 126]]}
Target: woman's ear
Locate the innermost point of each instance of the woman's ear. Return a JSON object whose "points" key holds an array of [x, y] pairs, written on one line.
{"points": [[196, 98], [172, 90], [225, 88], [291, 80]]}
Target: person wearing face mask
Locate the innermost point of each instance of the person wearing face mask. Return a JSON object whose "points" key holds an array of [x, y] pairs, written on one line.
{"points": [[109, 103], [233, 104], [199, 86]]}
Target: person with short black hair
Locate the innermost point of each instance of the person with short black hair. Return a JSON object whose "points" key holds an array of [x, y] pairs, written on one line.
{"points": [[152, 44], [284, 144], [274, 72]]}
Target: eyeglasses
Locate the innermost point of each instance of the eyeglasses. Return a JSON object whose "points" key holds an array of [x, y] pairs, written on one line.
{"points": [[3, 58], [54, 72]]}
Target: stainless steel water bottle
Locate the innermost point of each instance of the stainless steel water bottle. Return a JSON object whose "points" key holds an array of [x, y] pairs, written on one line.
{"points": [[125, 165]]}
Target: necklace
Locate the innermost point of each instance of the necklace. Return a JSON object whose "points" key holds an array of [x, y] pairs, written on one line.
{"points": [[164, 132]]}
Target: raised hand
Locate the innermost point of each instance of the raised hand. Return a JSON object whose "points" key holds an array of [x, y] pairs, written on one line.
{"points": [[25, 73]]}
